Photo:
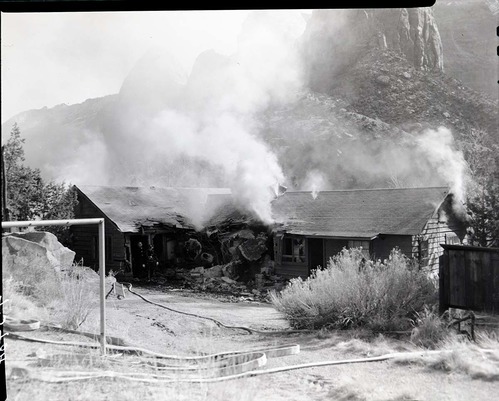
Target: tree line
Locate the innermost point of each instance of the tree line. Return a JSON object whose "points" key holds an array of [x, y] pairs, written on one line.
{"points": [[27, 196]]}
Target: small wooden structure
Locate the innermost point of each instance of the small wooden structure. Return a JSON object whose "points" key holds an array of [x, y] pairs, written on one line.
{"points": [[469, 278]]}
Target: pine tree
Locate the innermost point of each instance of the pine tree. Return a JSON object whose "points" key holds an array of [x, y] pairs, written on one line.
{"points": [[483, 194], [28, 197]]}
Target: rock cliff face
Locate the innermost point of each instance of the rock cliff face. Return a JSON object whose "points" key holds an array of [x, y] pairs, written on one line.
{"points": [[335, 39], [468, 31]]}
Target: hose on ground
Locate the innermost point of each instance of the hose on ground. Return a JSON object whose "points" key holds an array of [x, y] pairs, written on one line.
{"points": [[65, 376], [273, 351], [217, 322]]}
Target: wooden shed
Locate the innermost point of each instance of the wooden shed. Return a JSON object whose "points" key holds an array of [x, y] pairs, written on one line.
{"points": [[163, 217], [310, 228]]}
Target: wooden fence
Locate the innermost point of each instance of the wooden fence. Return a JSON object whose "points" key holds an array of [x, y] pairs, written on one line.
{"points": [[469, 278]]}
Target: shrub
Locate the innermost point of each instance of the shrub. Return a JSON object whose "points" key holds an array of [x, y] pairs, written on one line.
{"points": [[17, 305], [69, 296], [78, 298], [355, 292], [430, 330]]}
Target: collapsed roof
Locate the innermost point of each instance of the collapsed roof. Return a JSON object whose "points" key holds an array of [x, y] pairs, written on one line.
{"points": [[131, 208]]}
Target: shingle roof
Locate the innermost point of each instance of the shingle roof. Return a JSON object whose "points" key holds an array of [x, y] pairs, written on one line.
{"points": [[132, 207], [358, 213]]}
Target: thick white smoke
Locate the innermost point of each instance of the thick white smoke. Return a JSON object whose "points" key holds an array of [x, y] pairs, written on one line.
{"points": [[250, 168], [221, 129], [438, 149]]}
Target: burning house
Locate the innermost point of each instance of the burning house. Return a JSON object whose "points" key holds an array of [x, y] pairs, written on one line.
{"points": [[310, 228], [166, 218]]}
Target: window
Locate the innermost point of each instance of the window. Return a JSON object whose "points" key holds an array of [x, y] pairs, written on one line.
{"points": [[360, 244], [293, 250], [422, 252]]}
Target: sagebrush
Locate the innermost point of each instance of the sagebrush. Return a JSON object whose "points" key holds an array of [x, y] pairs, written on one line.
{"points": [[357, 292], [64, 298]]}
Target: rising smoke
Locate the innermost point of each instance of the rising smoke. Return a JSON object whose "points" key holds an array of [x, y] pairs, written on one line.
{"points": [[206, 130], [427, 158], [216, 119]]}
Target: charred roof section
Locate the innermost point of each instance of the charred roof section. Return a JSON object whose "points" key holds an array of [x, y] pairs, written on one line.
{"points": [[131, 208]]}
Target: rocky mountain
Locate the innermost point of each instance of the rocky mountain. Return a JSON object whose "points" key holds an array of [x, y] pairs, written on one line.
{"points": [[469, 40], [370, 93], [335, 40]]}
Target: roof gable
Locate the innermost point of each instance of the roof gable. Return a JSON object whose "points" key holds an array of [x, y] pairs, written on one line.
{"points": [[358, 213]]}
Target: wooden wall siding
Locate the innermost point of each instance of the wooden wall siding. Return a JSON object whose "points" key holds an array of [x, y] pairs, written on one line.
{"points": [[332, 247], [83, 238], [436, 232], [381, 247], [290, 270], [469, 278]]}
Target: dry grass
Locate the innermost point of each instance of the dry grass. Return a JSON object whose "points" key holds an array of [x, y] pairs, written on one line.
{"points": [[76, 300], [19, 306], [354, 292], [62, 298], [478, 360], [430, 330]]}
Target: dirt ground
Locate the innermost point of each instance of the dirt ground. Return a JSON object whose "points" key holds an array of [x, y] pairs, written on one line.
{"points": [[151, 327]]}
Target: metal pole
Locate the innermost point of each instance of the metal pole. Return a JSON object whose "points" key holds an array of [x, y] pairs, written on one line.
{"points": [[102, 258], [102, 272], [38, 223]]}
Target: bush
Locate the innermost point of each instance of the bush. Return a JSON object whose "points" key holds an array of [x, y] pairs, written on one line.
{"points": [[355, 292], [70, 296], [78, 299], [430, 330]]}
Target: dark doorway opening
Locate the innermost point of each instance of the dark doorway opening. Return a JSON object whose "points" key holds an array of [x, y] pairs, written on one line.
{"points": [[315, 253], [138, 256]]}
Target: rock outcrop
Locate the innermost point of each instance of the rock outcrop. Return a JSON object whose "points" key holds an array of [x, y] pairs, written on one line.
{"points": [[34, 255], [62, 256], [335, 39], [34, 261]]}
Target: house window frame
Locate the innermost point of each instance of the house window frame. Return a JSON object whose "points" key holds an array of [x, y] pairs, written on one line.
{"points": [[295, 256], [364, 243]]}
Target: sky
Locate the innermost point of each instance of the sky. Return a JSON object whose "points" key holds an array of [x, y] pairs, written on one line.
{"points": [[68, 57]]}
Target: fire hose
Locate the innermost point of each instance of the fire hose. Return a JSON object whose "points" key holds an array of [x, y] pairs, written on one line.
{"points": [[218, 367], [220, 324], [208, 368]]}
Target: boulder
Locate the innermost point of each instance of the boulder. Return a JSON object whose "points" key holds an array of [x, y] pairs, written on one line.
{"points": [[63, 255], [29, 264]]}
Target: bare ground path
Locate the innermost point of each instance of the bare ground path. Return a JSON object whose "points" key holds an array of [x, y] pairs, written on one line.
{"points": [[160, 330]]}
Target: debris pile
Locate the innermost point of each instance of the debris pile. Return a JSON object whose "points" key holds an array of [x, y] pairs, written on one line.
{"points": [[224, 279]]}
